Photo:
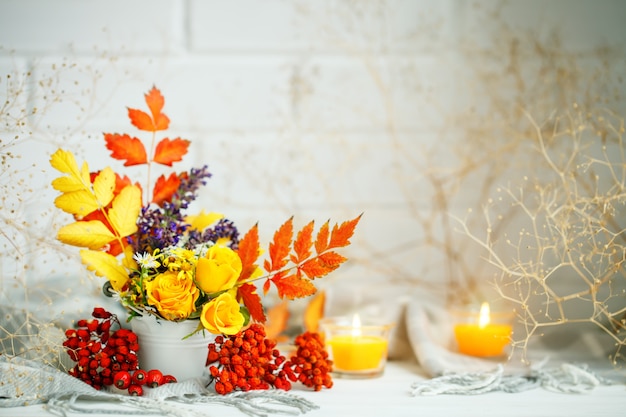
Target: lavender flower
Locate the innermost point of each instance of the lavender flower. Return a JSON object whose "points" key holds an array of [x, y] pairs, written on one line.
{"points": [[163, 226]]}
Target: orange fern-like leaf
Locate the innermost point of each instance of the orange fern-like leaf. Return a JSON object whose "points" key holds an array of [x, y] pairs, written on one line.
{"points": [[321, 241], [280, 247], [294, 286], [302, 244], [341, 234], [251, 299], [248, 252]]}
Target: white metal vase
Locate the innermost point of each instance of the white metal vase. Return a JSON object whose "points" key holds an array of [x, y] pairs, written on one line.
{"points": [[163, 346]]}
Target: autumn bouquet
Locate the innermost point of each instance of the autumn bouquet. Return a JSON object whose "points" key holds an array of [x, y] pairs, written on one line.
{"points": [[159, 261]]}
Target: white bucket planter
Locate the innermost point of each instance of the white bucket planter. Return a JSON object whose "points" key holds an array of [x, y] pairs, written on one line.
{"points": [[161, 346]]}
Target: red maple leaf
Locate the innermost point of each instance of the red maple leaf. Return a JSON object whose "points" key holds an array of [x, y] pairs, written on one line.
{"points": [[164, 188], [247, 293], [125, 148], [168, 151]]}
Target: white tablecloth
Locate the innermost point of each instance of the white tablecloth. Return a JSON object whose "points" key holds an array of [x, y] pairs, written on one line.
{"points": [[390, 395]]}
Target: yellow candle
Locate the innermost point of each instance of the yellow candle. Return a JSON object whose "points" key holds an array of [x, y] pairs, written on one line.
{"points": [[483, 338], [357, 353]]}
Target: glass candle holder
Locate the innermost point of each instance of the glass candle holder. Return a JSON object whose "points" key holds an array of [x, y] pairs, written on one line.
{"points": [[358, 350], [480, 332]]}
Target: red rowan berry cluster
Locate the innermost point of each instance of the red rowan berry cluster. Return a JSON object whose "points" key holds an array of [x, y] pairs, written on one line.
{"points": [[105, 356], [248, 361], [310, 364]]}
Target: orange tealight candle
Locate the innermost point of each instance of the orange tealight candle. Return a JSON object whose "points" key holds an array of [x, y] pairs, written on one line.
{"points": [[357, 351], [483, 338]]}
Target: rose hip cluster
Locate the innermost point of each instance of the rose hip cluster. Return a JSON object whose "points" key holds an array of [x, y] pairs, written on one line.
{"points": [[248, 361], [105, 356]]}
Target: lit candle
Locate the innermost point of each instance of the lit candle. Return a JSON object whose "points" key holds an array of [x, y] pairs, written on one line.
{"points": [[357, 350], [482, 338]]}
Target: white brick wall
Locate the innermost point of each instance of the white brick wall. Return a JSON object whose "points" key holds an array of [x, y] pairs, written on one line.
{"points": [[318, 109]]}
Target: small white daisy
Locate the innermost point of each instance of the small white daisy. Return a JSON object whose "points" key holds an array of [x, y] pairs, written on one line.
{"points": [[145, 260]]}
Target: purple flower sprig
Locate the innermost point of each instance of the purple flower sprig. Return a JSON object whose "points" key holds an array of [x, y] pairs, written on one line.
{"points": [[163, 226]]}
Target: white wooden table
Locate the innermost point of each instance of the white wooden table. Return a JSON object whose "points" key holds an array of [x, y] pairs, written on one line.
{"points": [[390, 396]]}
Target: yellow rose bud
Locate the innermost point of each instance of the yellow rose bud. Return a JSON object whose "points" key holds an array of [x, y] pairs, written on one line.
{"points": [[222, 315], [174, 298], [218, 270]]}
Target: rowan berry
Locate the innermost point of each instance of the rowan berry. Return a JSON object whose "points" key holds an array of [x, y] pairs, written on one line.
{"points": [[154, 378], [169, 379], [139, 377], [122, 379], [135, 390]]}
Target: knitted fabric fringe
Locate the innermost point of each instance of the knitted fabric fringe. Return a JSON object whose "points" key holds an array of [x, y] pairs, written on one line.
{"points": [[26, 382], [566, 378]]}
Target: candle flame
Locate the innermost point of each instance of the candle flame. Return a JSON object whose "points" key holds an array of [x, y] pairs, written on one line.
{"points": [[483, 319], [356, 325]]}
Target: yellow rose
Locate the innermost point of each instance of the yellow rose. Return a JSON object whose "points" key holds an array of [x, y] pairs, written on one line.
{"points": [[222, 315], [218, 270], [174, 298]]}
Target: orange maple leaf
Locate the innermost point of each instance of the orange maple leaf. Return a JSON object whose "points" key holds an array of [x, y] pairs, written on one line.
{"points": [[164, 188], [168, 151], [280, 247], [154, 121], [292, 287], [125, 148], [302, 244], [247, 293], [341, 234], [248, 251]]}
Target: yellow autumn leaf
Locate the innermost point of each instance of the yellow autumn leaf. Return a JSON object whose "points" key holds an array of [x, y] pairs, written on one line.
{"points": [[125, 210], [127, 260], [203, 220], [68, 184], [80, 202], [105, 265], [92, 234], [103, 186], [65, 162]]}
